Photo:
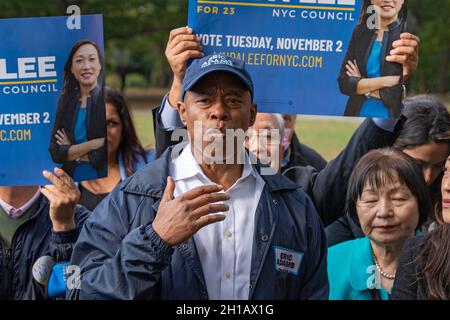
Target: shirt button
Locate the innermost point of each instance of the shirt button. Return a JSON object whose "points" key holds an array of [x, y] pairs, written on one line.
{"points": [[227, 275], [264, 237], [228, 234]]}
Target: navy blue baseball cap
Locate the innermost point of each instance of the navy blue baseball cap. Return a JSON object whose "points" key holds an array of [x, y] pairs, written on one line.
{"points": [[213, 63]]}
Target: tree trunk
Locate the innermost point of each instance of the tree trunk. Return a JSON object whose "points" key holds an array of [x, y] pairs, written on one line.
{"points": [[443, 72], [123, 82]]}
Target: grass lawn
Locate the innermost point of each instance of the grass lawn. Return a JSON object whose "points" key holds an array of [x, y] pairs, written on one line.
{"points": [[143, 121], [326, 135]]}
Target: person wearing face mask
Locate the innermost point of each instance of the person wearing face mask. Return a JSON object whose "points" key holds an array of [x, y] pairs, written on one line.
{"points": [[79, 131], [369, 75], [264, 139], [268, 140], [425, 138], [324, 187], [389, 198], [296, 153], [424, 267]]}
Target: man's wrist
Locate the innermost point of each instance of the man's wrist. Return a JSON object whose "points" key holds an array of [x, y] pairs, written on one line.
{"points": [[63, 226], [175, 92]]}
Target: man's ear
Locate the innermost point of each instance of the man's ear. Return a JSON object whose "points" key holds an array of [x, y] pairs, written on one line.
{"points": [[253, 112], [181, 106]]}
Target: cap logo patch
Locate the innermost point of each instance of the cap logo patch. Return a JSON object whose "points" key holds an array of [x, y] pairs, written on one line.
{"points": [[217, 60]]}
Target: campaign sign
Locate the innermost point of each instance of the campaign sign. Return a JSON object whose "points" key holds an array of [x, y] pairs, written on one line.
{"points": [[292, 48], [47, 113]]}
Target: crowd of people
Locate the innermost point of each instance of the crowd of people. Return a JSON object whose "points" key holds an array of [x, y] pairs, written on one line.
{"points": [[169, 223]]}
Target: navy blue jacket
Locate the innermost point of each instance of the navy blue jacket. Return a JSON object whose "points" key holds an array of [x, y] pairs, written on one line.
{"points": [[31, 241], [121, 257]]}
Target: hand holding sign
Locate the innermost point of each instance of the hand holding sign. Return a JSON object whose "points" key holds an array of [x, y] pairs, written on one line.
{"points": [[63, 195], [182, 46], [406, 52]]}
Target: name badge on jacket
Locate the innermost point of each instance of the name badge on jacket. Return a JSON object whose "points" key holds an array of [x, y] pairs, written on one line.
{"points": [[287, 260]]}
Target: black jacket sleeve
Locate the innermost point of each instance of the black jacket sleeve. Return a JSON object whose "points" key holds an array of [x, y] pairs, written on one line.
{"points": [[59, 153], [62, 243], [316, 286], [97, 128], [99, 157], [163, 138], [392, 97], [347, 84], [406, 278]]}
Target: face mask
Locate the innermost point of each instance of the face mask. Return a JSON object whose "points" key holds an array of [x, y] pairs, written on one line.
{"points": [[288, 133], [260, 149]]}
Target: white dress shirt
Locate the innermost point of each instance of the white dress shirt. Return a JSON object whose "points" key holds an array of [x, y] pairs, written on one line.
{"points": [[224, 248]]}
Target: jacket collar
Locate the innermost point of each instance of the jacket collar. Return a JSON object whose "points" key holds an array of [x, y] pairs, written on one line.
{"points": [[94, 91], [151, 180], [40, 205], [394, 25]]}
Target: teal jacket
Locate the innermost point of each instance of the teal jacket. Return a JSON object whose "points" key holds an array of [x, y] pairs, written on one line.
{"points": [[351, 271]]}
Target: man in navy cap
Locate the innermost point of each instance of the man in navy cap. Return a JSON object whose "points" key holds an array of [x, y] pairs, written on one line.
{"points": [[202, 224]]}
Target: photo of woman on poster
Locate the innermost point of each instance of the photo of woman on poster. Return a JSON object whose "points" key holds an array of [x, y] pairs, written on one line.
{"points": [[374, 85], [79, 131]]}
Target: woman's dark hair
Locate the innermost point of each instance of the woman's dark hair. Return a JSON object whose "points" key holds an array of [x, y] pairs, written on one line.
{"points": [[129, 147], [71, 85], [436, 270], [427, 120], [384, 166], [364, 16]]}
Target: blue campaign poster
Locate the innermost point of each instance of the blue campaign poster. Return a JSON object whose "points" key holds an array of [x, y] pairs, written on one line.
{"points": [[293, 48], [33, 54]]}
